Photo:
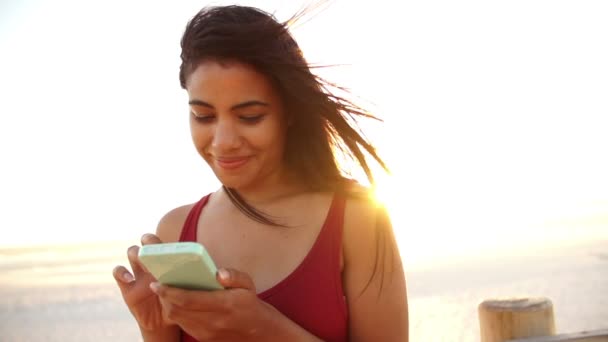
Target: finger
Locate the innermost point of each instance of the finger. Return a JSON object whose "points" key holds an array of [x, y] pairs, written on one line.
{"points": [[123, 278], [185, 317], [122, 275], [189, 299], [169, 312], [233, 279], [136, 266], [150, 239]]}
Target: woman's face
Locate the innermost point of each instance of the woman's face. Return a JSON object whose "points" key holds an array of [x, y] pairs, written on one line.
{"points": [[237, 123]]}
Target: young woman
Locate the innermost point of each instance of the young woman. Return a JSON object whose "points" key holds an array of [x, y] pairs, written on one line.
{"points": [[304, 253]]}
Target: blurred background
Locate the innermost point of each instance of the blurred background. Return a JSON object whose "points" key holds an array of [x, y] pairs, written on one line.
{"points": [[495, 119]]}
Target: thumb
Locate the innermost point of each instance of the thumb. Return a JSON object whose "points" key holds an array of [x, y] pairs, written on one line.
{"points": [[231, 279]]}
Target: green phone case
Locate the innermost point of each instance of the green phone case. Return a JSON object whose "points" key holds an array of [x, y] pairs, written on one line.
{"points": [[185, 265]]}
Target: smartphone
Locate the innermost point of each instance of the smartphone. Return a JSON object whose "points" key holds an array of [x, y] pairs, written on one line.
{"points": [[186, 265]]}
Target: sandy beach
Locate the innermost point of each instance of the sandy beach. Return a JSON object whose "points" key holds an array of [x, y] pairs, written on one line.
{"points": [[66, 293]]}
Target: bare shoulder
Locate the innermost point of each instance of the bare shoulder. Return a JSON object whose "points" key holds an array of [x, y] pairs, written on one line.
{"points": [[170, 225], [360, 216], [361, 210], [373, 275], [361, 235]]}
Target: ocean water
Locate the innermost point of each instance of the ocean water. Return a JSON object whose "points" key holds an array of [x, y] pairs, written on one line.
{"points": [[67, 293]]}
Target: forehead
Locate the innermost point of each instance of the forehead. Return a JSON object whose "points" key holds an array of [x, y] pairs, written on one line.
{"points": [[228, 79]]}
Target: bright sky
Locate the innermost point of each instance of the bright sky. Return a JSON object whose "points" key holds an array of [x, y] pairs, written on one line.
{"points": [[496, 115]]}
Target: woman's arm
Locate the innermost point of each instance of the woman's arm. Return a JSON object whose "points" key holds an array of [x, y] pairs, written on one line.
{"points": [[373, 276]]}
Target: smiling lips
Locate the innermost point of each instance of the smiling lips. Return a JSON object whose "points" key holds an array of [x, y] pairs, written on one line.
{"points": [[231, 163]]}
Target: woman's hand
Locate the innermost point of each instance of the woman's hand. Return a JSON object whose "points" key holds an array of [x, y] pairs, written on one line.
{"points": [[234, 314], [142, 302]]}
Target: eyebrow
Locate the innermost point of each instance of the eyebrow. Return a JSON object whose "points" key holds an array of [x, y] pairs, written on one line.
{"points": [[237, 106]]}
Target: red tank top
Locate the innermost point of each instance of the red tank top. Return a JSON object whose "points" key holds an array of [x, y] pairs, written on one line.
{"points": [[312, 294]]}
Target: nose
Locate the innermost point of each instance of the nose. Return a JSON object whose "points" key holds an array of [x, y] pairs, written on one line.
{"points": [[226, 136]]}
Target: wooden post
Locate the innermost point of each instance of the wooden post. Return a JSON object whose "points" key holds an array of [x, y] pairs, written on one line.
{"points": [[584, 336], [504, 319]]}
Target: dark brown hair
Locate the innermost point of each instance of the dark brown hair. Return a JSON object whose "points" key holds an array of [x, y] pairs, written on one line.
{"points": [[323, 124]]}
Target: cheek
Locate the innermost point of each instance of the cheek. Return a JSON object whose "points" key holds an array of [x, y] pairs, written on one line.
{"points": [[200, 136], [271, 139]]}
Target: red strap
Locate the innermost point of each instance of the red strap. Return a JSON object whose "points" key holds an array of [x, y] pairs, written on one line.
{"points": [[189, 229]]}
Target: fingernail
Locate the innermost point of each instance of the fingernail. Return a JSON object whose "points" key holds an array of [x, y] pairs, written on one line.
{"points": [[224, 274], [128, 277], [154, 286]]}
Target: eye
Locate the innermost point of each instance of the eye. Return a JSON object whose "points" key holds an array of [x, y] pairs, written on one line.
{"points": [[202, 117], [251, 119]]}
